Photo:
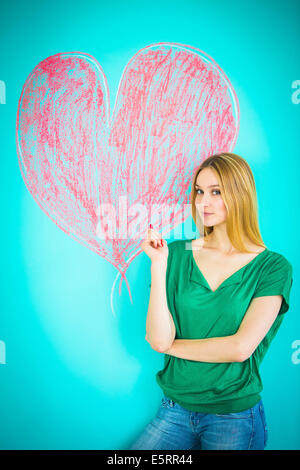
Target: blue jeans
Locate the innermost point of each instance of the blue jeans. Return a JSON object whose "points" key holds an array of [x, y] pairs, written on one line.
{"points": [[175, 427]]}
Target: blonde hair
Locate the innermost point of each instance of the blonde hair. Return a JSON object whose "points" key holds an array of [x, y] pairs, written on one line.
{"points": [[239, 195]]}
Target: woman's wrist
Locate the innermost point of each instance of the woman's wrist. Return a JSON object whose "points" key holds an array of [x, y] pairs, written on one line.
{"points": [[159, 266]]}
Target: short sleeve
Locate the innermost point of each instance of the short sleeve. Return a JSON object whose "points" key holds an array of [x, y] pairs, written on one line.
{"points": [[278, 280]]}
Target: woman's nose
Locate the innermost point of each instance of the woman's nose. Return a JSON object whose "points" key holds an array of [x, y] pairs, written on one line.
{"points": [[205, 200]]}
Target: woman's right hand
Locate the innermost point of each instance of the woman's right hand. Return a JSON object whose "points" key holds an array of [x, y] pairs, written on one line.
{"points": [[152, 247]]}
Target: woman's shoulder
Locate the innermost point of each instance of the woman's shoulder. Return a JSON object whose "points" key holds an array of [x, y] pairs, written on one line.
{"points": [[276, 254], [276, 260]]}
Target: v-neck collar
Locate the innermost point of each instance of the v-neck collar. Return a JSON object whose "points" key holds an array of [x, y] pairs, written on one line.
{"points": [[235, 278]]}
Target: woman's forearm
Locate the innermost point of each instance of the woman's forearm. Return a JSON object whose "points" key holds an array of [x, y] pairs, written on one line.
{"points": [[220, 349], [160, 326]]}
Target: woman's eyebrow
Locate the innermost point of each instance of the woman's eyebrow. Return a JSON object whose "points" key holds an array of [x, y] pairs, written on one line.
{"points": [[210, 186]]}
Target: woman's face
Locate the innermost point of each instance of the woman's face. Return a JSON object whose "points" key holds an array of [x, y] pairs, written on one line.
{"points": [[209, 198]]}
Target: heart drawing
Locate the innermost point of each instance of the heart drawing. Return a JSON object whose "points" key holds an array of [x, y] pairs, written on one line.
{"points": [[103, 178]]}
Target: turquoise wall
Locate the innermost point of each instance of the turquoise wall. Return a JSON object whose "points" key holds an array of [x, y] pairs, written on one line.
{"points": [[73, 375]]}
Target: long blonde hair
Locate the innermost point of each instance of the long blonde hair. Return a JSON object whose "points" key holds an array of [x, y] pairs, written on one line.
{"points": [[239, 195]]}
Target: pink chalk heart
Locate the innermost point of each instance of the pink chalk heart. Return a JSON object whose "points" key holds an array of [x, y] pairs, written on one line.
{"points": [[92, 173]]}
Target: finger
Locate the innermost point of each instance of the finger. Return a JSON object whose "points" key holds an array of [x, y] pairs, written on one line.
{"points": [[153, 235], [154, 231]]}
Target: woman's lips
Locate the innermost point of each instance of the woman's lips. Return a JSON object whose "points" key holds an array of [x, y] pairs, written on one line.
{"points": [[207, 213]]}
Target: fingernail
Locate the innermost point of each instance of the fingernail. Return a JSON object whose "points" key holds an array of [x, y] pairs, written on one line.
{"points": [[150, 226], [161, 242]]}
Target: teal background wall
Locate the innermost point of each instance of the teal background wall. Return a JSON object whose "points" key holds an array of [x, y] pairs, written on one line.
{"points": [[73, 376]]}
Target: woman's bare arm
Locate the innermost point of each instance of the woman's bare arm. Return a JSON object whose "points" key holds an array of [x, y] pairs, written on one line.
{"points": [[160, 326]]}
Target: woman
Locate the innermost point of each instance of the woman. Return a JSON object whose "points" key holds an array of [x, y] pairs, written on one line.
{"points": [[222, 297]]}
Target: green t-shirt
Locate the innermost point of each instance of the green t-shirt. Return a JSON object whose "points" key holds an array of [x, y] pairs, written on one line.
{"points": [[198, 312]]}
